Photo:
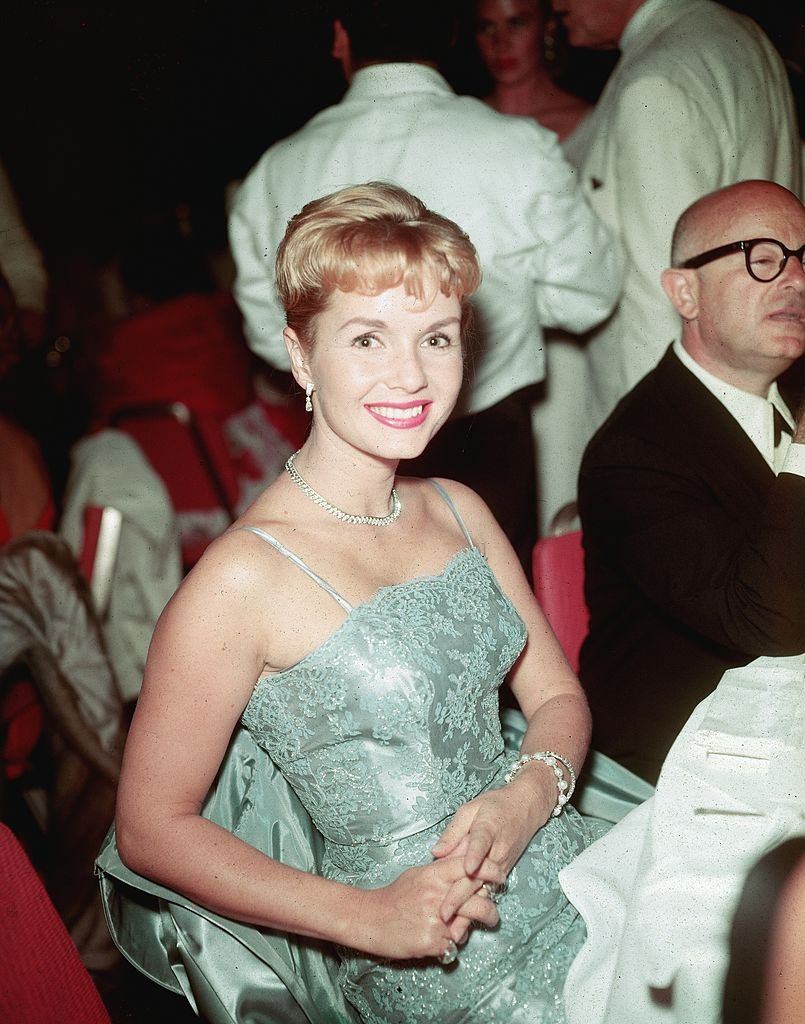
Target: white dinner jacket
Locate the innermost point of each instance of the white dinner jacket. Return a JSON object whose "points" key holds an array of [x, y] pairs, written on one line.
{"points": [[698, 100], [546, 259]]}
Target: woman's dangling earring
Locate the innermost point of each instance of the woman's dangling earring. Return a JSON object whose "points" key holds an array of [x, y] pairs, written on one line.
{"points": [[309, 389], [550, 43]]}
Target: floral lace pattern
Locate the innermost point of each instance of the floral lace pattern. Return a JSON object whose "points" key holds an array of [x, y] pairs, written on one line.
{"points": [[384, 731]]}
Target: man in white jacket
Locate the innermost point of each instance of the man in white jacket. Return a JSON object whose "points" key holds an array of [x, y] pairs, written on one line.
{"points": [[547, 260], [698, 100], [21, 264]]}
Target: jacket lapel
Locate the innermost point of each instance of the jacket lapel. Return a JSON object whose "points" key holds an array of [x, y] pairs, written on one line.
{"points": [[715, 440]]}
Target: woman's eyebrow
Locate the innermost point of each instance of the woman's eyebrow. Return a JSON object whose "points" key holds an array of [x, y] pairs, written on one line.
{"points": [[380, 324]]}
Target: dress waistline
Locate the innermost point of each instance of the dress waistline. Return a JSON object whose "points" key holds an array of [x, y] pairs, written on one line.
{"points": [[385, 848]]}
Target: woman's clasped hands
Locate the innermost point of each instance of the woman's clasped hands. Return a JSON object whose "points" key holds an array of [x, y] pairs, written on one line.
{"points": [[404, 920], [428, 908], [487, 837]]}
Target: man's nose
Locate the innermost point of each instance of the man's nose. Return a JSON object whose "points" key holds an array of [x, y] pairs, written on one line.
{"points": [[793, 273]]}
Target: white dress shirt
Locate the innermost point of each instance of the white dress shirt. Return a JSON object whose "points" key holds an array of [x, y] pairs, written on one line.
{"points": [[754, 414], [546, 259]]}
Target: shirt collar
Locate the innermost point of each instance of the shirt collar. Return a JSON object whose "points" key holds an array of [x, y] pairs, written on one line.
{"points": [[643, 20], [753, 412], [395, 79]]}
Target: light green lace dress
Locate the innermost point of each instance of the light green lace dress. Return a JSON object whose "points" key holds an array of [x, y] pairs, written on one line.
{"points": [[382, 733]]}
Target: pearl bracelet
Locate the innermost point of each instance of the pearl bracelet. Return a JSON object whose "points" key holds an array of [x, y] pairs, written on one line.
{"points": [[553, 760]]}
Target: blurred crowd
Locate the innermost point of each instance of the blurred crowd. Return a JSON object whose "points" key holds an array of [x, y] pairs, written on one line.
{"points": [[145, 398]]}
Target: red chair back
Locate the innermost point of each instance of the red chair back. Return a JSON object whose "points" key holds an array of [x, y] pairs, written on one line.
{"points": [[188, 452], [22, 719], [42, 978], [558, 569]]}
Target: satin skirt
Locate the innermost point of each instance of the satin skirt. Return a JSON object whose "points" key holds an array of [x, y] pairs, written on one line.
{"points": [[237, 973]]}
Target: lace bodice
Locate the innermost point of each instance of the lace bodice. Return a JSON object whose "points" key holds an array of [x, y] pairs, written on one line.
{"points": [[384, 731], [392, 723]]}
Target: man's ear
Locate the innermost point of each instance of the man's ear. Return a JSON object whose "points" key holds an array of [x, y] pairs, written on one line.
{"points": [[298, 357], [682, 288], [342, 49]]}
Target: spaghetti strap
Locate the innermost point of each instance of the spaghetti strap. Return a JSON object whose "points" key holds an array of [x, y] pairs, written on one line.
{"points": [[454, 510], [298, 562]]}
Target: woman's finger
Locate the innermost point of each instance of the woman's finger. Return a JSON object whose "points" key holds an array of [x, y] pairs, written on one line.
{"points": [[455, 897], [482, 836], [492, 871], [481, 910], [453, 834], [459, 929], [459, 849]]}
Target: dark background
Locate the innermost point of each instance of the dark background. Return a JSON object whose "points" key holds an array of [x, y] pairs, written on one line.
{"points": [[112, 111]]}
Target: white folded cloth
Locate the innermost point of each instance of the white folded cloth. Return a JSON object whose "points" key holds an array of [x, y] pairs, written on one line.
{"points": [[659, 891]]}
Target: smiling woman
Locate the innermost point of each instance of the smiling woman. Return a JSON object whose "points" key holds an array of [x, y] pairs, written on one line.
{"points": [[317, 752], [375, 307], [394, 357]]}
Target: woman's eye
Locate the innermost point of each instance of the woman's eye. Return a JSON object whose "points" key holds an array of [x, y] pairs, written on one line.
{"points": [[366, 341], [438, 341]]}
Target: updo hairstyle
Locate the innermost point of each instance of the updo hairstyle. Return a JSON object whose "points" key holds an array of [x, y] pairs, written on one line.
{"points": [[369, 238]]}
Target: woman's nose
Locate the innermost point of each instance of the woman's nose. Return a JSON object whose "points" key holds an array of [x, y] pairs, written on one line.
{"points": [[408, 372], [502, 40]]}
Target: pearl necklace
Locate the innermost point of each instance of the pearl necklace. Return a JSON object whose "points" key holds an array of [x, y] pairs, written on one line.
{"points": [[344, 517]]}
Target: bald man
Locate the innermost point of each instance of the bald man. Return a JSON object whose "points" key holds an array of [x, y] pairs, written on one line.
{"points": [[692, 494]]}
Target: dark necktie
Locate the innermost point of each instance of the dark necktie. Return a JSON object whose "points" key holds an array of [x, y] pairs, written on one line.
{"points": [[780, 427]]}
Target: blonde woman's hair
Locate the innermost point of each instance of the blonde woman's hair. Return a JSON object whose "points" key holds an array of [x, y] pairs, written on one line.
{"points": [[368, 238]]}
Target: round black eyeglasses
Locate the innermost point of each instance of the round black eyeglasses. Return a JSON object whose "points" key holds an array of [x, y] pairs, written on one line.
{"points": [[765, 257]]}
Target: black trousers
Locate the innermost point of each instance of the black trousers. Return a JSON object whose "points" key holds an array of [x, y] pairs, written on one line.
{"points": [[493, 453]]}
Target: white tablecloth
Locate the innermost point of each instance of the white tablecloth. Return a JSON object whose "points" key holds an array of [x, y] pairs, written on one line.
{"points": [[659, 891]]}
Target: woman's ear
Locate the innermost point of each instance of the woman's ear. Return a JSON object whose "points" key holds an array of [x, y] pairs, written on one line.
{"points": [[682, 288], [298, 357]]}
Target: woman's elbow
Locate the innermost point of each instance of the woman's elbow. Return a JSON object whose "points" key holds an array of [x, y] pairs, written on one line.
{"points": [[132, 844]]}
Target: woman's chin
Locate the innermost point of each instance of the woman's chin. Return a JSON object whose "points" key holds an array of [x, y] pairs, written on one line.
{"points": [[410, 445]]}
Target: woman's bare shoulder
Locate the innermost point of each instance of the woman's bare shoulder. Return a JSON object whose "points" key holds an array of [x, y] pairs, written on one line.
{"points": [[236, 567], [473, 511], [470, 505]]}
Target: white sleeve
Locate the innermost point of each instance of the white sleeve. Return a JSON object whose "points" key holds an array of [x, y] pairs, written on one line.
{"points": [[579, 267], [253, 240], [20, 259], [668, 155]]}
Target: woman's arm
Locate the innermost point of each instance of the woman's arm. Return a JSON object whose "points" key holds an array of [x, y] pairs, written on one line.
{"points": [[205, 656], [491, 832]]}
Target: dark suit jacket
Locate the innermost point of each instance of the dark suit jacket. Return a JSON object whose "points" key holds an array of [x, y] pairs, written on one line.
{"points": [[695, 561]]}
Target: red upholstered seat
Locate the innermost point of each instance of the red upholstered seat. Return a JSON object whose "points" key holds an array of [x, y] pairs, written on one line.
{"points": [[42, 978], [558, 569], [21, 722], [178, 378]]}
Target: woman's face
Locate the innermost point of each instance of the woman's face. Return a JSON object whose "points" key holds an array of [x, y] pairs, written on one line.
{"points": [[387, 370], [508, 36]]}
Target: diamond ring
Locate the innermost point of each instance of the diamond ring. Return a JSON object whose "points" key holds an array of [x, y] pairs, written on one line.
{"points": [[495, 890], [450, 954]]}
